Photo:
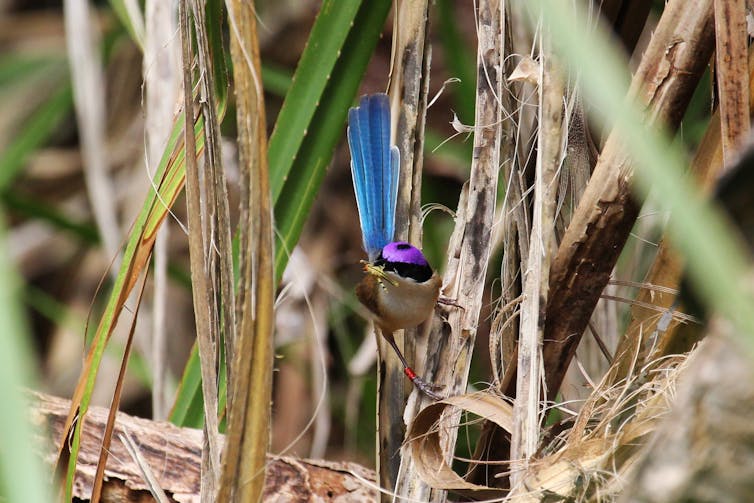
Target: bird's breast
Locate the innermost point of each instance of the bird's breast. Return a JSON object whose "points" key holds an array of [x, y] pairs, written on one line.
{"points": [[399, 302]]}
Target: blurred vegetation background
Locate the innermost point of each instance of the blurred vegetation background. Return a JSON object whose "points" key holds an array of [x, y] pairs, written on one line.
{"points": [[65, 251]]}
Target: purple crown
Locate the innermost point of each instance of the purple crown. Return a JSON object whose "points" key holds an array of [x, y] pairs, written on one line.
{"points": [[400, 251]]}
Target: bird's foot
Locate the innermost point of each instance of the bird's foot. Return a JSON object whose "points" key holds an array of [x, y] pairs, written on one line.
{"points": [[447, 301], [422, 385]]}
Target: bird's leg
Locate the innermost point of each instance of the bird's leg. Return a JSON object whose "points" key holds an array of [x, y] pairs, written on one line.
{"points": [[420, 383]]}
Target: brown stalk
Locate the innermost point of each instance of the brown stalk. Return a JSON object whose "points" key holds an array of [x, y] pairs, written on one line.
{"points": [[216, 224], [526, 409], [249, 424], [469, 248], [199, 276], [409, 82], [732, 73]]}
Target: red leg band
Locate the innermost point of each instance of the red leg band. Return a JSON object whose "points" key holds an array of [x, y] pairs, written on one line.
{"points": [[409, 373]]}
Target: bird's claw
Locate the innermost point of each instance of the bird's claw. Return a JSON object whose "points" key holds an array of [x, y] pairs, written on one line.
{"points": [[447, 301], [427, 388]]}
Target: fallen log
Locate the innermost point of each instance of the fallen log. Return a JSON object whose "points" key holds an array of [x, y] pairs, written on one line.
{"points": [[174, 454]]}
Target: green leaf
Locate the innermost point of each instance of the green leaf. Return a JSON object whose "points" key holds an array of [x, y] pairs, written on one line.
{"points": [[327, 42], [188, 409], [14, 68], [22, 476], [319, 127], [276, 81], [35, 132], [134, 27]]}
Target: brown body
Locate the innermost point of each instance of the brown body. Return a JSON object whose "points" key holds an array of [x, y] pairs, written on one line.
{"points": [[398, 302]]}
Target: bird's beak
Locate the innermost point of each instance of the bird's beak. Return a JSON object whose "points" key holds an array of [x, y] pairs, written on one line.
{"points": [[379, 272]]}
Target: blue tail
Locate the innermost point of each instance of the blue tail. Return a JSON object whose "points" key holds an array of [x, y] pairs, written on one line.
{"points": [[375, 167]]}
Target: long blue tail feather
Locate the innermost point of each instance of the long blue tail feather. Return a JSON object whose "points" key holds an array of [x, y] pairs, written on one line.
{"points": [[375, 167]]}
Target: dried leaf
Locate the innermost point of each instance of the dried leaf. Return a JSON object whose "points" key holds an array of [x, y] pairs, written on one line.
{"points": [[527, 70], [424, 440]]}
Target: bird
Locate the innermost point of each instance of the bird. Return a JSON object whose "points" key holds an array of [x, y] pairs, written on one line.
{"points": [[399, 287]]}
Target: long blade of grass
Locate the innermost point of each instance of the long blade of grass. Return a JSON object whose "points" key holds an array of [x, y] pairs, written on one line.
{"points": [[22, 476], [169, 181], [326, 43], [107, 436], [129, 14], [35, 131]]}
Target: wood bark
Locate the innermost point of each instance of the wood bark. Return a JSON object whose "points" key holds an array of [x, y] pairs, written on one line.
{"points": [[732, 74], [174, 456]]}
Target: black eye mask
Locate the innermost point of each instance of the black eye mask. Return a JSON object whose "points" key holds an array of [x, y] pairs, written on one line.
{"points": [[417, 272]]}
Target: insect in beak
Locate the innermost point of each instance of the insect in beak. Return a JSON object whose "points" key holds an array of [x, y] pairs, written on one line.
{"points": [[379, 272]]}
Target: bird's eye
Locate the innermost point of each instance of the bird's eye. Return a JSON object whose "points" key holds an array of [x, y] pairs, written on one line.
{"points": [[403, 246]]}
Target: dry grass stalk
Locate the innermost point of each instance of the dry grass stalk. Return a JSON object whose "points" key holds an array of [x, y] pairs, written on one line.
{"points": [[216, 212], [527, 413], [205, 330], [409, 81], [732, 75], [469, 247], [161, 83], [249, 423], [515, 218], [89, 96]]}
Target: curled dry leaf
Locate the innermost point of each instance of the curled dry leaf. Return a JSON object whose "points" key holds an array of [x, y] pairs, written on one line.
{"points": [[527, 70], [424, 437], [459, 126]]}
